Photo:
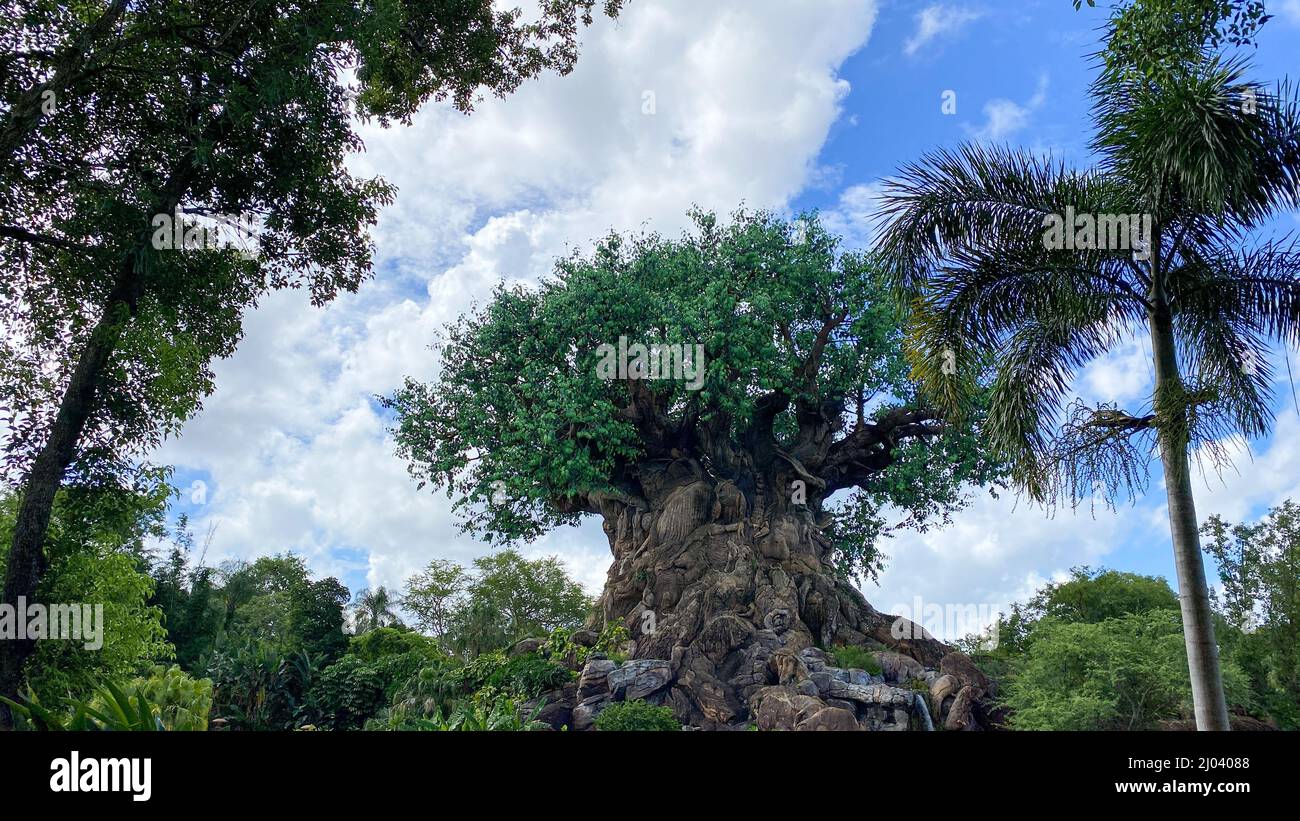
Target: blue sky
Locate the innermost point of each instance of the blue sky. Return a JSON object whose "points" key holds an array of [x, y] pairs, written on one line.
{"points": [[1019, 77], [789, 106]]}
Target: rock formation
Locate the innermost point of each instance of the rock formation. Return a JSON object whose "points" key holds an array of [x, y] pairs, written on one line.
{"points": [[815, 695], [728, 597]]}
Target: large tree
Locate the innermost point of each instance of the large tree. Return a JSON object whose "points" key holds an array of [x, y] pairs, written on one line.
{"points": [[1200, 157], [115, 113], [714, 486]]}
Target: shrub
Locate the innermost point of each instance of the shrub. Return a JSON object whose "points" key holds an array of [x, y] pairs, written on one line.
{"points": [[346, 694], [392, 641], [487, 713], [524, 676], [494, 683], [110, 708], [256, 687], [177, 700], [857, 658], [1126, 673], [636, 715], [529, 675], [560, 646]]}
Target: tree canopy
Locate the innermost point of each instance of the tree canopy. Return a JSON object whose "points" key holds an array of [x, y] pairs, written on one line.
{"points": [[238, 108], [123, 125], [802, 375]]}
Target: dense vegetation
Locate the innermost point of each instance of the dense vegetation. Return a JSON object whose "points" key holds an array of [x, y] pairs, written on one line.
{"points": [[812, 385], [114, 116], [264, 646], [1103, 650]]}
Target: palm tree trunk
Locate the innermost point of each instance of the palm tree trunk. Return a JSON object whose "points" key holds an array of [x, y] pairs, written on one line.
{"points": [[1193, 595]]}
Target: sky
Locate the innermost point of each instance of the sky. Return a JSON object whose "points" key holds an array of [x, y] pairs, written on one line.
{"points": [[765, 103]]}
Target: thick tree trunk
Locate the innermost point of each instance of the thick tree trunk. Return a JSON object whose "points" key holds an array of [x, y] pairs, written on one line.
{"points": [[27, 552], [733, 589], [26, 562], [1193, 595]]}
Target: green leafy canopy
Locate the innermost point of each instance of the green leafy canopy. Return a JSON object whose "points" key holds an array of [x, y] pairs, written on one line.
{"points": [[802, 368]]}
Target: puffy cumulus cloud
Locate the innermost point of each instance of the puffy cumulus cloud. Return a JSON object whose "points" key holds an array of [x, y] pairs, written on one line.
{"points": [[1123, 375], [1260, 475], [939, 20], [981, 564], [1003, 118], [855, 218], [674, 104]]}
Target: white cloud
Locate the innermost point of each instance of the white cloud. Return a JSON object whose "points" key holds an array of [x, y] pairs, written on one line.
{"points": [[1255, 480], [297, 453], [936, 21], [854, 218], [1002, 117], [981, 562], [1290, 11], [1122, 376]]}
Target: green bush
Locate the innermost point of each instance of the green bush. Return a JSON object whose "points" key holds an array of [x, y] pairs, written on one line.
{"points": [[487, 711], [257, 687], [179, 701], [92, 548], [440, 691], [110, 709], [524, 676], [857, 658], [560, 646], [636, 715], [529, 675], [392, 641], [1126, 673], [346, 694]]}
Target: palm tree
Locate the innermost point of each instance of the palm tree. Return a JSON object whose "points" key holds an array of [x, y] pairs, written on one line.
{"points": [[1182, 139], [374, 609]]}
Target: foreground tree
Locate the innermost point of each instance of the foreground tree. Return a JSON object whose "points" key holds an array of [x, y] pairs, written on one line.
{"points": [[114, 116], [713, 476], [1206, 157]]}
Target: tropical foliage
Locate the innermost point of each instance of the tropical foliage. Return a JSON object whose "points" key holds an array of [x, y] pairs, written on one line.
{"points": [[625, 716], [1200, 155], [1259, 569], [1103, 650]]}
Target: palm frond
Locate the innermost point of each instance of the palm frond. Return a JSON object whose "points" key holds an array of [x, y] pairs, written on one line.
{"points": [[1203, 138]]}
